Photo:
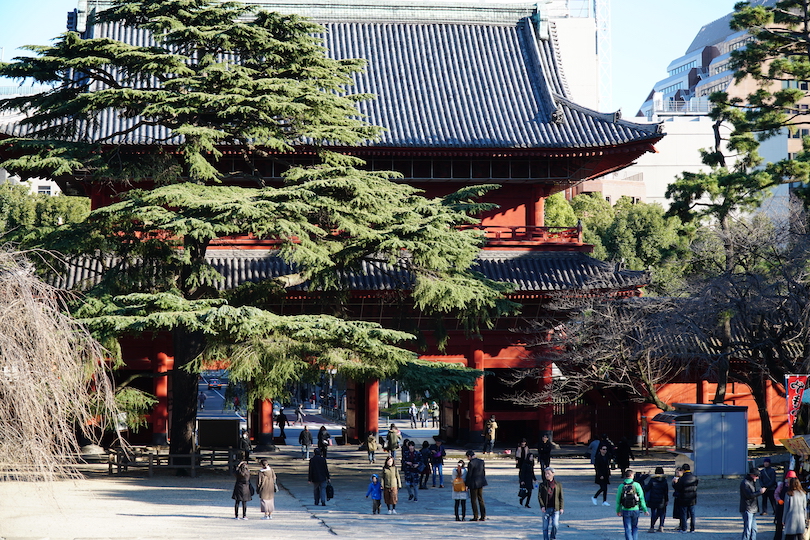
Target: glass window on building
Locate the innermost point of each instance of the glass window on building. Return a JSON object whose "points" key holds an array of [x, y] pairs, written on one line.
{"points": [[44, 189]]}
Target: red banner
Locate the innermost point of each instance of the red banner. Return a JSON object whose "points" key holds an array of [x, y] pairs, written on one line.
{"points": [[794, 384]]}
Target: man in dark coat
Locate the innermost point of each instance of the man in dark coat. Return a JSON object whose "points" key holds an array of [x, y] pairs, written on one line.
{"points": [[657, 496], [686, 496], [318, 476], [767, 479], [476, 481], [749, 503]]}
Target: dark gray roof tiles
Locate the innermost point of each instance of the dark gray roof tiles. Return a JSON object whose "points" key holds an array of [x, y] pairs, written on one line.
{"points": [[441, 85], [530, 272]]}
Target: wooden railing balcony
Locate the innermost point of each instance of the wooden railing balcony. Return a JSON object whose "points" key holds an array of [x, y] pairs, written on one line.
{"points": [[529, 234], [497, 235]]}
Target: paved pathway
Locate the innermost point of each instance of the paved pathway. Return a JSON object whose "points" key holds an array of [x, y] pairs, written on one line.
{"points": [[135, 507]]}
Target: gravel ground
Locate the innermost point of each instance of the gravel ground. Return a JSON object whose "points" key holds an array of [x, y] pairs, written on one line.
{"points": [[136, 507]]}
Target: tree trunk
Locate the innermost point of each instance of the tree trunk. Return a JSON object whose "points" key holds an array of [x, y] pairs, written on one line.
{"points": [[723, 364], [187, 346]]}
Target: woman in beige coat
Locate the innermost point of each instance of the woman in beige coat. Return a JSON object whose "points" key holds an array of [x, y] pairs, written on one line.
{"points": [[390, 484], [266, 485]]}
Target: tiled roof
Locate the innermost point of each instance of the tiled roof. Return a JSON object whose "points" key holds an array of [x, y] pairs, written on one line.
{"points": [[476, 82], [528, 271]]}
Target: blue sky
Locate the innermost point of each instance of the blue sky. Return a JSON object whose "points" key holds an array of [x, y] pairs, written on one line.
{"points": [[647, 35]]}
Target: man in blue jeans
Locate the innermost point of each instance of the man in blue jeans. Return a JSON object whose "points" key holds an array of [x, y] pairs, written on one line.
{"points": [[750, 493], [629, 504], [550, 497]]}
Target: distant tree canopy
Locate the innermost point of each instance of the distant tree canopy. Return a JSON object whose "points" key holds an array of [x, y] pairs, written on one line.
{"points": [[217, 76], [637, 234], [26, 217]]}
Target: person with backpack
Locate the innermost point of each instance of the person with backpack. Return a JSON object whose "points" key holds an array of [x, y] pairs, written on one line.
{"points": [[656, 493], [686, 496], [629, 504]]}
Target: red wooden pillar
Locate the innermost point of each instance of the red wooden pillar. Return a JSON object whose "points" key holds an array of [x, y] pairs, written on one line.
{"points": [[536, 207], [162, 363], [264, 423], [477, 400], [372, 407]]}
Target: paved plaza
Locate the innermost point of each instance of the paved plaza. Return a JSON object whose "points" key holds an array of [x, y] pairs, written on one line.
{"points": [[133, 506]]}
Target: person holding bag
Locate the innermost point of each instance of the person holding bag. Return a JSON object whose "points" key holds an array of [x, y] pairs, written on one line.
{"points": [[459, 492], [267, 488]]}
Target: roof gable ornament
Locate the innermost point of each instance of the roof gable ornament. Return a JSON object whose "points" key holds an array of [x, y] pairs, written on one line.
{"points": [[541, 22], [557, 115]]}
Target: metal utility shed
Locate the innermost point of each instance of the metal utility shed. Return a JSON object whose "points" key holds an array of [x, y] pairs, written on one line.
{"points": [[712, 438]]}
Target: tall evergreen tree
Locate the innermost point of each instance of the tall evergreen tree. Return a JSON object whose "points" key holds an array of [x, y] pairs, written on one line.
{"points": [[218, 77]]}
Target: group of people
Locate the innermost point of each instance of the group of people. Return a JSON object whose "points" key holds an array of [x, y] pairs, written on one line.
{"points": [[423, 414], [243, 491], [324, 440]]}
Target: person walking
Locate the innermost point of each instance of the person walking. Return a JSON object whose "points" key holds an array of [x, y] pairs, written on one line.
{"points": [[521, 452], [686, 497], [629, 504], [550, 498], [390, 484], [305, 440], [412, 415], [460, 494], [282, 423], [544, 451], [375, 491], [324, 441], [201, 397], [476, 482], [490, 428], [371, 446], [779, 496], [242, 490], [266, 488], [299, 415], [434, 414], [526, 478], [318, 476], [424, 466], [601, 465], [392, 440], [624, 453], [410, 470], [593, 449], [749, 503], [424, 413], [657, 497], [437, 455], [795, 510], [767, 479]]}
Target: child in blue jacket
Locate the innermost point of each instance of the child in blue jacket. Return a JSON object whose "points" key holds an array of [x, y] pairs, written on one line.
{"points": [[375, 490]]}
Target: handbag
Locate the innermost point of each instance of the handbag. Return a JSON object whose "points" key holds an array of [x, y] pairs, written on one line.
{"points": [[458, 484], [329, 441], [523, 492], [330, 491], [275, 487]]}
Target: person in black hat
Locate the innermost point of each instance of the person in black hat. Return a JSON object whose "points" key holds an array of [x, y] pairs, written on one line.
{"points": [[476, 481], [686, 497], [749, 503]]}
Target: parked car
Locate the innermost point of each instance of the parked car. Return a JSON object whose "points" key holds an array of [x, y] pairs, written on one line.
{"points": [[214, 383]]}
